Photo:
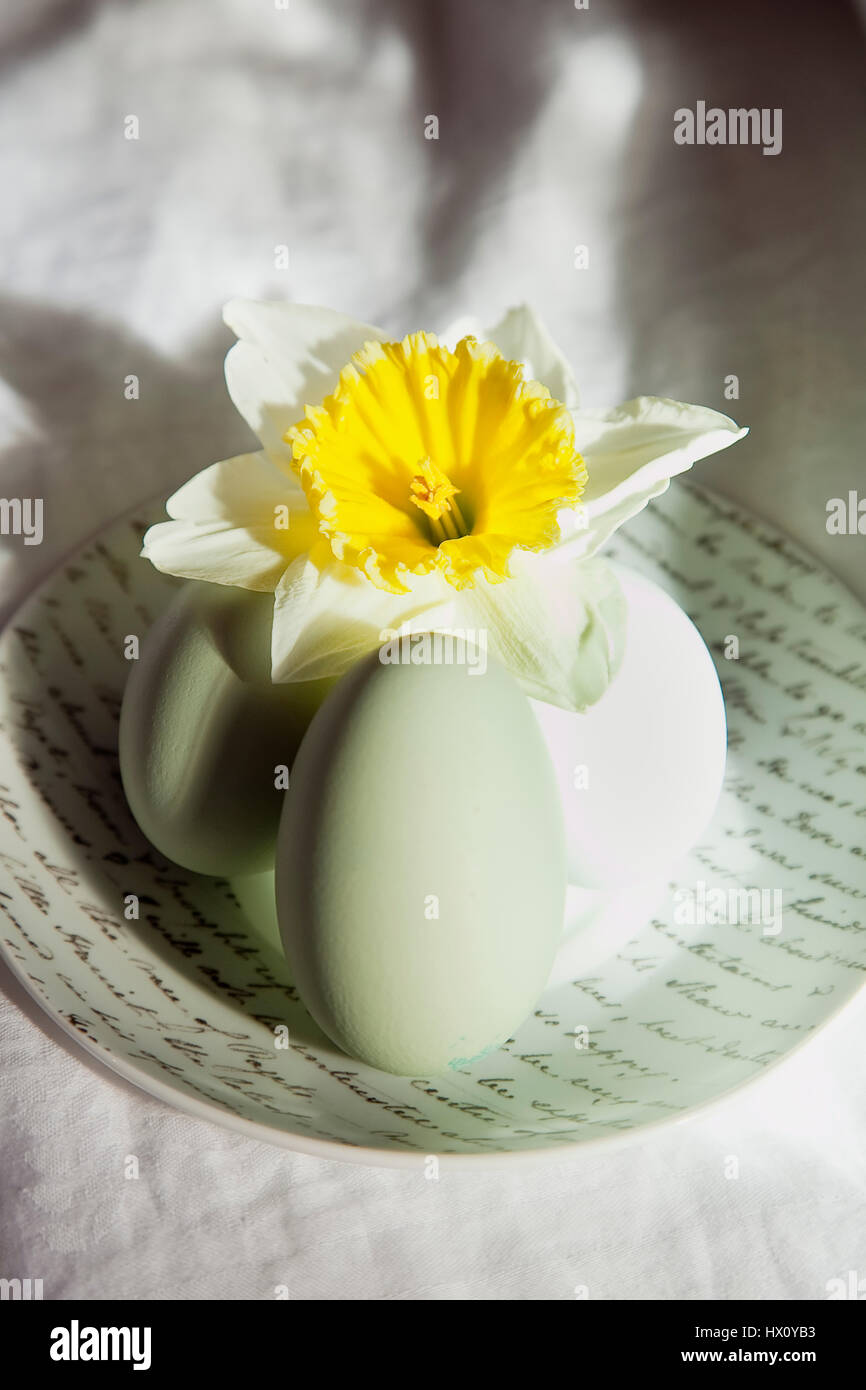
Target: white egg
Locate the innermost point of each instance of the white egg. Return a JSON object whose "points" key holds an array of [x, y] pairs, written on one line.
{"points": [[640, 772]]}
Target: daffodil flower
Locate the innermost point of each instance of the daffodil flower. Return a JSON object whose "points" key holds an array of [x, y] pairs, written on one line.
{"points": [[432, 484]]}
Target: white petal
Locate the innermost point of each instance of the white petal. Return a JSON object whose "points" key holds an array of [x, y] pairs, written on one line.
{"points": [[222, 526], [239, 489], [631, 453], [522, 337], [216, 551], [558, 625], [467, 326], [288, 356], [325, 619]]}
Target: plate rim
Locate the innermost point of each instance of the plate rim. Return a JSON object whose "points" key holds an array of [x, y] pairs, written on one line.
{"points": [[363, 1156]]}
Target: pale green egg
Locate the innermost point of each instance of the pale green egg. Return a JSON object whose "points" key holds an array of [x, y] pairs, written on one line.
{"points": [[421, 865], [204, 732]]}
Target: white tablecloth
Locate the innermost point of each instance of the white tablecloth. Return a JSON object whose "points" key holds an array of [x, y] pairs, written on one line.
{"points": [[262, 127]]}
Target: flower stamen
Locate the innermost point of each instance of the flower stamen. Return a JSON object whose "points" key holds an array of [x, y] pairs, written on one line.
{"points": [[432, 491]]}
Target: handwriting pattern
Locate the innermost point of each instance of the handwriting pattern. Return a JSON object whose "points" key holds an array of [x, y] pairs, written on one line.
{"points": [[186, 1000]]}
